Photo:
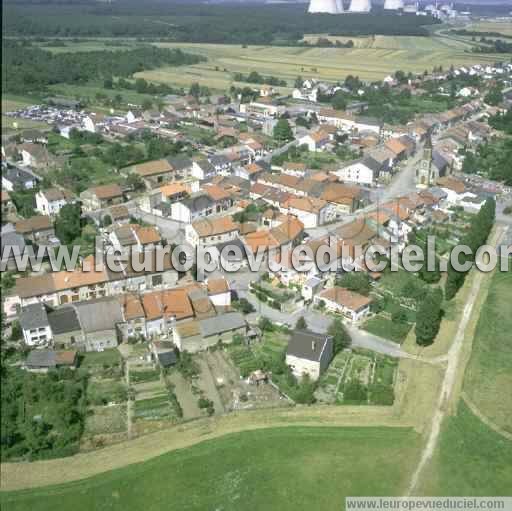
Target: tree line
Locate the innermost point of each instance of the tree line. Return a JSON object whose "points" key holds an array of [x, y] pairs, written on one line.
{"points": [[28, 69], [479, 230]]}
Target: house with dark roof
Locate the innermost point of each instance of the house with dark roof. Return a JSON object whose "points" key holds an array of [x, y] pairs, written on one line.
{"points": [[193, 207], [44, 360], [363, 171], [309, 354], [15, 177], [35, 326], [198, 335]]}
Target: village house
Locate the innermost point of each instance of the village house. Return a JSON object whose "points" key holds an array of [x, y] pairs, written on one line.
{"points": [[16, 178], [250, 172], [100, 197], [309, 354], [154, 173], [345, 198], [202, 169], [38, 229], [41, 361], [310, 211], [119, 214], [8, 206], [316, 141], [193, 207], [364, 171], [211, 231], [351, 305], [198, 335], [34, 155], [134, 236], [50, 201]]}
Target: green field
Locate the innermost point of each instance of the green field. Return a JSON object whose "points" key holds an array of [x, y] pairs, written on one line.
{"points": [[471, 460], [274, 469], [488, 381], [414, 54]]}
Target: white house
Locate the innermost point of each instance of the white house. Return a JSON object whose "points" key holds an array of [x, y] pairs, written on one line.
{"points": [[193, 207], [35, 325], [316, 141], [49, 202], [364, 171], [310, 211], [309, 354], [351, 305], [219, 292], [203, 169], [211, 231]]}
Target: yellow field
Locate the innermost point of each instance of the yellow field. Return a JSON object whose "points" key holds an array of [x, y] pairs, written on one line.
{"points": [[504, 27], [330, 64]]}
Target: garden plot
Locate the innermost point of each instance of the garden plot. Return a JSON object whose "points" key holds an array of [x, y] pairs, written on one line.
{"points": [[235, 392], [358, 378]]}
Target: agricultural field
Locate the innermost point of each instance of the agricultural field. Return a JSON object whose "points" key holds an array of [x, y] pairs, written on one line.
{"points": [[488, 380], [503, 27], [251, 470], [10, 125], [358, 378], [330, 64]]}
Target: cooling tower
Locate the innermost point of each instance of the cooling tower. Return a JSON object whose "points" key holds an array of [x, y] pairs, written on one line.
{"points": [[339, 6], [326, 6], [393, 5], [360, 6]]}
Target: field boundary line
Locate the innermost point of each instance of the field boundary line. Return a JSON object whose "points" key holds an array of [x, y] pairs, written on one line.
{"points": [[488, 422]]}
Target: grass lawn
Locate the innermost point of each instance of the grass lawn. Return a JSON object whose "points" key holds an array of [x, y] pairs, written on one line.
{"points": [[97, 359], [488, 380], [471, 460], [383, 327], [281, 469]]}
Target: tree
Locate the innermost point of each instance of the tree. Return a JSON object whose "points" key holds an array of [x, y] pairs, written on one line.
{"points": [[494, 97], [136, 182], [340, 336], [195, 90], [265, 324], [338, 101], [108, 83], [355, 281], [107, 220], [428, 318], [301, 324], [67, 224], [282, 131], [147, 104]]}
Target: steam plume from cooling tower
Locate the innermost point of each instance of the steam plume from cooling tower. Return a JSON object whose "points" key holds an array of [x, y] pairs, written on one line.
{"points": [[360, 6], [323, 6]]}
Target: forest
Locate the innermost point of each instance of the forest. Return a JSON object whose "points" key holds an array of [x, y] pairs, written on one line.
{"points": [[262, 24], [27, 68]]}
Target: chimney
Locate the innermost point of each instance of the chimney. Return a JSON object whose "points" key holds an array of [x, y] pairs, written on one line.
{"points": [[313, 346]]}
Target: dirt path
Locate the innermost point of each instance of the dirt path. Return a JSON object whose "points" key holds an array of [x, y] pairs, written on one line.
{"points": [[450, 376], [208, 384], [488, 422], [186, 398]]}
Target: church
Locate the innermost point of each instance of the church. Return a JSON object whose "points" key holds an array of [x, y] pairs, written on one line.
{"points": [[432, 166]]}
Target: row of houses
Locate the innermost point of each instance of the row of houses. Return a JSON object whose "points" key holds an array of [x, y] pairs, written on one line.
{"points": [[194, 317]]}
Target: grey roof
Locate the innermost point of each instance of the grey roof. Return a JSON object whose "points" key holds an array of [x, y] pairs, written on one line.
{"points": [[33, 316], [307, 345], [17, 176], [440, 161], [63, 320], [371, 163], [167, 358], [180, 162], [198, 202], [371, 121], [236, 242], [438, 193], [98, 315], [10, 238], [206, 166], [222, 323], [41, 358], [218, 160]]}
